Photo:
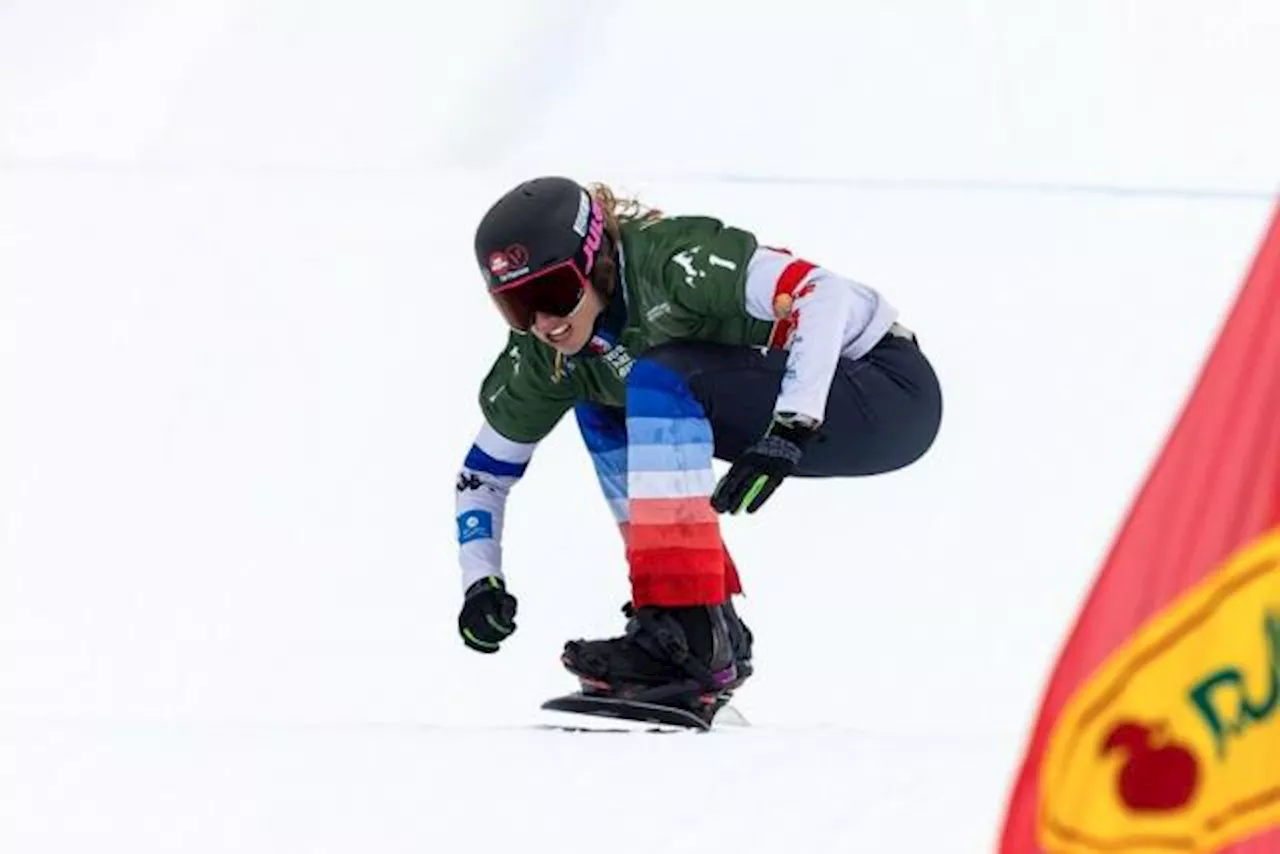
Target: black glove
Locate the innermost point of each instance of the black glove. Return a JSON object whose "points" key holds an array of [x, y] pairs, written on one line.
{"points": [[488, 615], [757, 473]]}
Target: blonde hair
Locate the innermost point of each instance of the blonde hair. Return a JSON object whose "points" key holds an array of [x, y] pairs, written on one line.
{"points": [[620, 209]]}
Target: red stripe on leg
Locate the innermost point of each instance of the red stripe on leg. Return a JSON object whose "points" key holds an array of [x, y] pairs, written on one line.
{"points": [[704, 536], [677, 576], [672, 511]]}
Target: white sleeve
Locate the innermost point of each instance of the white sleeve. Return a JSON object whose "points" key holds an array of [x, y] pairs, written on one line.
{"points": [[493, 465], [818, 316], [821, 312]]}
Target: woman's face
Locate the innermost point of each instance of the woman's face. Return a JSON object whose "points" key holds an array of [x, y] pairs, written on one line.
{"points": [[569, 334]]}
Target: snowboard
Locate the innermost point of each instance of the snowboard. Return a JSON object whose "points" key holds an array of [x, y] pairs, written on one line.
{"points": [[638, 715]]}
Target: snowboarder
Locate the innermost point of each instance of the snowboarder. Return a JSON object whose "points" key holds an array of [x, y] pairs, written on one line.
{"points": [[674, 339]]}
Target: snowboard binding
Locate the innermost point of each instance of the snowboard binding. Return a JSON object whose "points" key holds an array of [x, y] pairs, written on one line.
{"points": [[673, 666]]}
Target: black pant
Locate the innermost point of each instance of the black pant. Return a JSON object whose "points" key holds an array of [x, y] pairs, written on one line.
{"points": [[883, 411]]}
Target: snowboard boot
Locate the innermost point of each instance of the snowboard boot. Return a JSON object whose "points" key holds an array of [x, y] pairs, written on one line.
{"points": [[740, 641], [679, 656]]}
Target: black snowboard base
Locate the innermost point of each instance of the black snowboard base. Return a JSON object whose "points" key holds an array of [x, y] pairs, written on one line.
{"points": [[659, 717]]}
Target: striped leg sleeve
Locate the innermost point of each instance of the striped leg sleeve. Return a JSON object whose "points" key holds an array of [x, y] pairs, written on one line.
{"points": [[604, 432], [674, 548]]}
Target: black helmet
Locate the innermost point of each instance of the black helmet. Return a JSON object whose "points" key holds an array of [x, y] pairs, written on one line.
{"points": [[537, 247]]}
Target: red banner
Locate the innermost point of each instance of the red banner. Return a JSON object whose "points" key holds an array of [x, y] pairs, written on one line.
{"points": [[1159, 730]]}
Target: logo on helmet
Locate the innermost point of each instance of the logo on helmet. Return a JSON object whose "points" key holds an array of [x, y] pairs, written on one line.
{"points": [[584, 210], [595, 236], [509, 263]]}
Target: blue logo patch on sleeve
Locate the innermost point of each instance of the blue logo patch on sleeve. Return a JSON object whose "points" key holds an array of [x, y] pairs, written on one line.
{"points": [[475, 525]]}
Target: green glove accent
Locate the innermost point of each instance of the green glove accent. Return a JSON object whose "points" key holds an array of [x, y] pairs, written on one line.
{"points": [[760, 483]]}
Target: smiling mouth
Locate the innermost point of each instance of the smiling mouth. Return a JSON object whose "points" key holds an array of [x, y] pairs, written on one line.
{"points": [[559, 334]]}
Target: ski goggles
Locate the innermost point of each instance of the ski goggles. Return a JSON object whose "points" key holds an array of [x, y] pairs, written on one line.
{"points": [[557, 290]]}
